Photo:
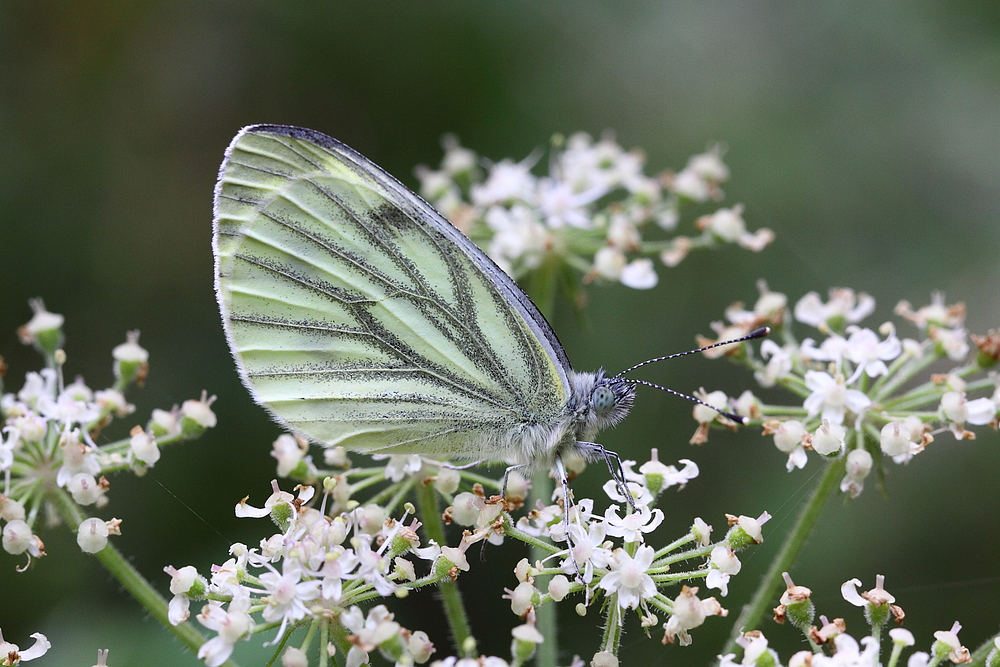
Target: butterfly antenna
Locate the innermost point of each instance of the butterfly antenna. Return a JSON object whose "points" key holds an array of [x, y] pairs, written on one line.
{"points": [[753, 335], [728, 415]]}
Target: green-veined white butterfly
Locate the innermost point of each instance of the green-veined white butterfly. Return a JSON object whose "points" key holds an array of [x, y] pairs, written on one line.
{"points": [[359, 316]]}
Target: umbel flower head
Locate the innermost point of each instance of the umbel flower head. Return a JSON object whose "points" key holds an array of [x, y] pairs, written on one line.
{"points": [[335, 551], [596, 211], [50, 459], [864, 392]]}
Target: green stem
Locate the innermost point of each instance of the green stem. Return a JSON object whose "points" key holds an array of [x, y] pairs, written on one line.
{"points": [[128, 576], [451, 597], [980, 654], [545, 615], [763, 599], [612, 627]]}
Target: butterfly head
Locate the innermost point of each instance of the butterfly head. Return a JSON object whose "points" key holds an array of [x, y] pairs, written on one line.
{"points": [[603, 402]]}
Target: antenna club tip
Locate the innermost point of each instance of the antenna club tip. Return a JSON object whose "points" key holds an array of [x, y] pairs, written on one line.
{"points": [[759, 333], [739, 419]]}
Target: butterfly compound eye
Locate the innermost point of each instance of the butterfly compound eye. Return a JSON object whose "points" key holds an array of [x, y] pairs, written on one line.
{"points": [[603, 400]]}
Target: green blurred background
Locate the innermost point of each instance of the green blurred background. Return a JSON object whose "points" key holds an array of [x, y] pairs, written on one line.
{"points": [[867, 135]]}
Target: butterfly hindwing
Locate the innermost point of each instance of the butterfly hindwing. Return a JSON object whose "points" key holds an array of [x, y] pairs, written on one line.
{"points": [[360, 317]]}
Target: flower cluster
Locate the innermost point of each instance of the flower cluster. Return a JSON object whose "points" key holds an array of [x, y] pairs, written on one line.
{"points": [[49, 438], [860, 389], [590, 212], [334, 552], [832, 646]]}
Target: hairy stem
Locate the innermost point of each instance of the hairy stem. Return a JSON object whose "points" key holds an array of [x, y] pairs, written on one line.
{"points": [[130, 578], [451, 597], [545, 615]]}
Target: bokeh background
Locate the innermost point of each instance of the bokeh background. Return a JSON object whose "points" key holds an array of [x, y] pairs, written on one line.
{"points": [[866, 135]]}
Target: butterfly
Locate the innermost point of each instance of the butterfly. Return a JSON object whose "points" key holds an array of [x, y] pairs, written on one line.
{"points": [[360, 317]]}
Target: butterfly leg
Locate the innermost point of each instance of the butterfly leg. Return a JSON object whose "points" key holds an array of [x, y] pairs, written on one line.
{"points": [[452, 466], [563, 479], [506, 474], [614, 469]]}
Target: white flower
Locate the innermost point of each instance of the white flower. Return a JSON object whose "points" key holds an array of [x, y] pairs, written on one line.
{"points": [[709, 165], [958, 410], [902, 637], [788, 437], [869, 353], [609, 262], [519, 235], [843, 305], [723, 564], [12, 653], [691, 185], [894, 439], [85, 489], [947, 644], [779, 363], [231, 625], [144, 447], [587, 551], [289, 452], [639, 274], [287, 595], [831, 398], [561, 206], [130, 351], [858, 466], [952, 341], [372, 631], [200, 411], [17, 537], [401, 466], [877, 596], [521, 598], [632, 526], [507, 181], [829, 439], [92, 534], [628, 577], [847, 653], [42, 321], [937, 312], [558, 587], [689, 612]]}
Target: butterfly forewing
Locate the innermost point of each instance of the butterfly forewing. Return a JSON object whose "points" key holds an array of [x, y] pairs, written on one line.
{"points": [[360, 317]]}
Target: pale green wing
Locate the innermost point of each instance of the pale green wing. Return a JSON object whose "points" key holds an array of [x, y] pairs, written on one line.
{"points": [[360, 317]]}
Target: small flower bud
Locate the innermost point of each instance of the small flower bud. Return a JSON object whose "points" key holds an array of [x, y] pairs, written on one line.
{"points": [[947, 645], [526, 638], [11, 509], [144, 446], [559, 587], [197, 416], [420, 647], [465, 508], [92, 535], [163, 423], [44, 330], [788, 435], [294, 657], [131, 360], [828, 439], [604, 659], [522, 598], [85, 489], [16, 537], [447, 480], [894, 439]]}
